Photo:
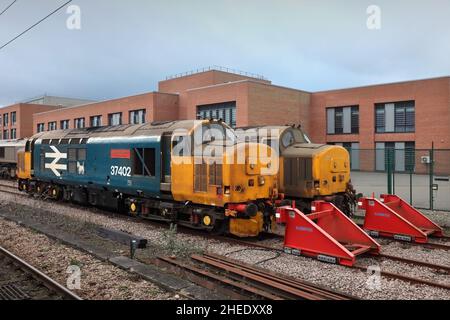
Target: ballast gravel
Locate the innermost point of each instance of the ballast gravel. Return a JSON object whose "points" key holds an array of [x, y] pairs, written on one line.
{"points": [[98, 280], [350, 281]]}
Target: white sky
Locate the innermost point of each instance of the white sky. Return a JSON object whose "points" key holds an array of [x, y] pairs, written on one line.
{"points": [[125, 47]]}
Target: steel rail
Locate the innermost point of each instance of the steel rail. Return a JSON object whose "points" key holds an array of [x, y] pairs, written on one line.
{"points": [[364, 268], [405, 278], [40, 276], [224, 280], [414, 262], [271, 284], [431, 245], [282, 279]]}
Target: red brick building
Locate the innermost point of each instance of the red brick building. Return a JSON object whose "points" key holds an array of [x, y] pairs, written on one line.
{"points": [[16, 121], [240, 100], [404, 115], [428, 100], [147, 107]]}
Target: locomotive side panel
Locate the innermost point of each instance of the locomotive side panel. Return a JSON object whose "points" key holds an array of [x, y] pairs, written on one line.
{"points": [[122, 165]]}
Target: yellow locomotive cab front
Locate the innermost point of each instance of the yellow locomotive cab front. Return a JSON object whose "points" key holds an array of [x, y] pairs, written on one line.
{"points": [[233, 180], [23, 169]]}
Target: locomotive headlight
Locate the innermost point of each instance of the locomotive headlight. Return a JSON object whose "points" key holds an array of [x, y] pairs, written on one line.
{"points": [[261, 180], [316, 184]]}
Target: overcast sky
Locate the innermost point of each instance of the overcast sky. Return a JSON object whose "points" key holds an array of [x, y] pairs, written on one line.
{"points": [[125, 47]]}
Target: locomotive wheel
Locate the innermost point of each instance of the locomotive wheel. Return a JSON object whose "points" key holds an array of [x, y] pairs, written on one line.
{"points": [[55, 192]]}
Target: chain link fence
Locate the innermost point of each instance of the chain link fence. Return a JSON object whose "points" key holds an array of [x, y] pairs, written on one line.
{"points": [[419, 176]]}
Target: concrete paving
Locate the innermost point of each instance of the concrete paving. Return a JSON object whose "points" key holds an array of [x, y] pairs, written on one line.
{"points": [[368, 182]]}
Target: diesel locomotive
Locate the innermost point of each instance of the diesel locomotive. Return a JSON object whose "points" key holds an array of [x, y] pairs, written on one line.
{"points": [[175, 171], [308, 171], [8, 157]]}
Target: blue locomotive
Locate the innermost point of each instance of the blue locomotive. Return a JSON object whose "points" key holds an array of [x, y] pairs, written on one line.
{"points": [[133, 168]]}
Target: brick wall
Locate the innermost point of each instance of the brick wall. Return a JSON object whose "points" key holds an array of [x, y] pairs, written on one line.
{"points": [[273, 105], [432, 114], [431, 107], [158, 106]]}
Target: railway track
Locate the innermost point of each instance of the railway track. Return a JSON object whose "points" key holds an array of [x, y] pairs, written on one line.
{"points": [[7, 186], [250, 281], [430, 245], [257, 244], [21, 281], [365, 268]]}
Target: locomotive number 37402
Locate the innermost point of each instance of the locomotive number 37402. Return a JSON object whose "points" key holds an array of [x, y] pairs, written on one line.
{"points": [[120, 171]]}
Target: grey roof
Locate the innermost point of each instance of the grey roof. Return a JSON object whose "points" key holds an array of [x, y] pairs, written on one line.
{"points": [[149, 129]]}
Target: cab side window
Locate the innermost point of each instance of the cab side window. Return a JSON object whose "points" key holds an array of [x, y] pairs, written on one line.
{"points": [[144, 162], [75, 160]]}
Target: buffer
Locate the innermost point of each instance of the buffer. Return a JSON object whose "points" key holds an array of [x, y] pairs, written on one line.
{"points": [[395, 218], [326, 234]]}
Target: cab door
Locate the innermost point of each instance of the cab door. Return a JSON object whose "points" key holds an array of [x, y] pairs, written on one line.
{"points": [[165, 161]]}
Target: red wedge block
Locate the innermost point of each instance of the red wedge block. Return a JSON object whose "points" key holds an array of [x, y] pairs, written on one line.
{"points": [[327, 234], [393, 217]]}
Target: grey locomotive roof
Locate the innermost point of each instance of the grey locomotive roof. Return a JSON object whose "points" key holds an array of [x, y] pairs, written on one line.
{"points": [[13, 143], [150, 129]]}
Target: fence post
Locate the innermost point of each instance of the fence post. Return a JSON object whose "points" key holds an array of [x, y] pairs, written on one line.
{"points": [[389, 170], [410, 187], [431, 176]]}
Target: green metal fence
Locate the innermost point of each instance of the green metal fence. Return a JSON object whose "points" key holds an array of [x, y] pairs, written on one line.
{"points": [[420, 176]]}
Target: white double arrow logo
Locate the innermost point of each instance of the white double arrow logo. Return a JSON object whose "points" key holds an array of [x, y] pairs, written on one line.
{"points": [[54, 165]]}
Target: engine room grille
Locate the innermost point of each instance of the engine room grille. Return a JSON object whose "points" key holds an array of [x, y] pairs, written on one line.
{"points": [[297, 171], [215, 174], [200, 177]]}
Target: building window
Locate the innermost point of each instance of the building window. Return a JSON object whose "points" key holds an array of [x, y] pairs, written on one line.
{"points": [[395, 117], [404, 117], [144, 161], [401, 155], [115, 119], [355, 119], [79, 123], [96, 121], [137, 116], [5, 134], [379, 119], [13, 134], [40, 127], [224, 111], [64, 124], [5, 119], [343, 120], [338, 120], [13, 118], [52, 126]]}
